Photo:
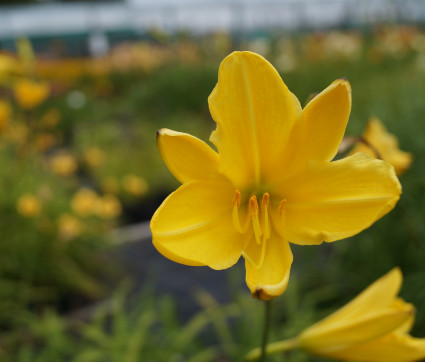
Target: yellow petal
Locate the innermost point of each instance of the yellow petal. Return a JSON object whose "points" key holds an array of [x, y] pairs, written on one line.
{"points": [[407, 326], [254, 111], [391, 348], [380, 294], [194, 226], [319, 132], [271, 278], [187, 157], [326, 339], [332, 201]]}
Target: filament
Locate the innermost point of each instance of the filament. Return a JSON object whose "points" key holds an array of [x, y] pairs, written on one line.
{"points": [[282, 211]]}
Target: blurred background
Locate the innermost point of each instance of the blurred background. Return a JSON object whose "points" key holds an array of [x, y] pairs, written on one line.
{"points": [[83, 88]]}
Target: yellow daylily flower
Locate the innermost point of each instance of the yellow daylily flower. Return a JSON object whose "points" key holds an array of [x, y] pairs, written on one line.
{"points": [[30, 94], [28, 205], [69, 227], [63, 164], [108, 207], [84, 202], [373, 327], [134, 185], [381, 144], [272, 181]]}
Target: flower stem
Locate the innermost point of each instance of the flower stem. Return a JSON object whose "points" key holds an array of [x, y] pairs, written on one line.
{"points": [[266, 328], [275, 347]]}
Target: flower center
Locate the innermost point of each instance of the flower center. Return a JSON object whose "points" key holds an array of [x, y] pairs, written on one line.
{"points": [[258, 217]]}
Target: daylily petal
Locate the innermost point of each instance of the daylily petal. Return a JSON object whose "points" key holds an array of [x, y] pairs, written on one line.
{"points": [[377, 134], [380, 294], [254, 112], [381, 144], [269, 279], [332, 201], [194, 225], [187, 157], [344, 334], [391, 348], [319, 132]]}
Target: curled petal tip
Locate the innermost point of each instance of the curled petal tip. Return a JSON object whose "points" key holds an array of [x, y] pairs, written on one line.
{"points": [[343, 82], [161, 132], [261, 294]]}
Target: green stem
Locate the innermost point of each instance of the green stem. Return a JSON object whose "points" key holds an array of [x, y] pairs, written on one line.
{"points": [[275, 347], [266, 329]]}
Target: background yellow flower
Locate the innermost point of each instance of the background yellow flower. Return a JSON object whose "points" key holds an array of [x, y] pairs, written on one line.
{"points": [[381, 144], [30, 94], [84, 202], [28, 205], [134, 185], [108, 207], [63, 163]]}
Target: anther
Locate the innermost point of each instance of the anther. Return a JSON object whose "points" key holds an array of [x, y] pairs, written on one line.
{"points": [[265, 201], [237, 199], [253, 206]]}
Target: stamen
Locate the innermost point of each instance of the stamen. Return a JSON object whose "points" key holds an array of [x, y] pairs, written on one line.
{"points": [[264, 207], [236, 203], [282, 210], [253, 207]]}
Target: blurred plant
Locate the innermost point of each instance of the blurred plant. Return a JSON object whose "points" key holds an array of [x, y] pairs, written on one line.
{"points": [[93, 156], [110, 185], [5, 114]]}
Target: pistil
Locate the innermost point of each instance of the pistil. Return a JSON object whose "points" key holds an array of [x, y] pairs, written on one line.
{"points": [[265, 209], [253, 208]]}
